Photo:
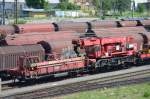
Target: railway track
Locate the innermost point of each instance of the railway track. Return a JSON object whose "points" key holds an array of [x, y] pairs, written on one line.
{"points": [[112, 79]]}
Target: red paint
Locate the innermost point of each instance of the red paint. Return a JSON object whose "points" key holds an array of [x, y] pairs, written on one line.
{"points": [[42, 27]]}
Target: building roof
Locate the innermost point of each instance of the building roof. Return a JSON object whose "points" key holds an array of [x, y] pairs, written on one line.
{"points": [[140, 1]]}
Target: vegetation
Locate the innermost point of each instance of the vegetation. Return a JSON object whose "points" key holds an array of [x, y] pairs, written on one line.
{"points": [[122, 5], [146, 94], [38, 4], [103, 8], [141, 91], [115, 6], [21, 21], [141, 8], [65, 5]]}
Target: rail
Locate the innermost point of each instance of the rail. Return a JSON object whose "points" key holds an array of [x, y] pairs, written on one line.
{"points": [[0, 85], [117, 78]]}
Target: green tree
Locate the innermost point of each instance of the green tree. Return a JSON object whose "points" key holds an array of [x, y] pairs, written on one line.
{"points": [[141, 8], [65, 5], [106, 6], [102, 6], [96, 3], [123, 5], [38, 4], [64, 1]]}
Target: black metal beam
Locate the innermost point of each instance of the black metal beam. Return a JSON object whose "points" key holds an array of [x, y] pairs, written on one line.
{"points": [[3, 20], [16, 11]]}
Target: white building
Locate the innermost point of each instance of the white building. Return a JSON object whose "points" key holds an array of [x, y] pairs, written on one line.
{"points": [[139, 1]]}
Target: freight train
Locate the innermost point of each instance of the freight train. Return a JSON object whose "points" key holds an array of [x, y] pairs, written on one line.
{"points": [[75, 55], [37, 50], [80, 27]]}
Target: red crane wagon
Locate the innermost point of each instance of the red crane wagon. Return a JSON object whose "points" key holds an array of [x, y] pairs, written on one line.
{"points": [[92, 53]]}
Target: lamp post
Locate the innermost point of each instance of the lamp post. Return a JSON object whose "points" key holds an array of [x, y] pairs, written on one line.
{"points": [[101, 8], [3, 13], [133, 7], [16, 11], [0, 85]]}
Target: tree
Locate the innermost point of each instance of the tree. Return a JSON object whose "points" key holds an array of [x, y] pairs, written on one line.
{"points": [[65, 5], [102, 6], [140, 8], [106, 6], [64, 1], [123, 5], [38, 4]]}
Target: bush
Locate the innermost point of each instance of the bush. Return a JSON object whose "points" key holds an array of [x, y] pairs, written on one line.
{"points": [[141, 8], [103, 17], [68, 6], [21, 21], [146, 94]]}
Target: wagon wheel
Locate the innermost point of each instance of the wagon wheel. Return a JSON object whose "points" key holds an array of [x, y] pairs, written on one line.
{"points": [[100, 63], [98, 66], [125, 65], [2, 35], [73, 74]]}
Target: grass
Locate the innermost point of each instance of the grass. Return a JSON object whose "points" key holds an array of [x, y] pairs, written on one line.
{"points": [[140, 91]]}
